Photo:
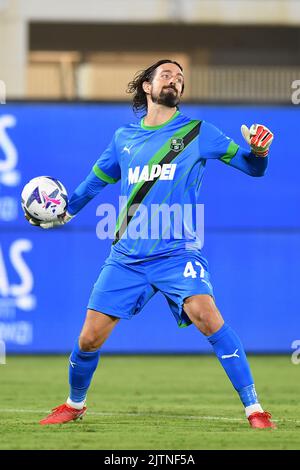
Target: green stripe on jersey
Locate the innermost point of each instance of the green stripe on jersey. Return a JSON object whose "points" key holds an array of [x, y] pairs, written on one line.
{"points": [[103, 176], [230, 152]]}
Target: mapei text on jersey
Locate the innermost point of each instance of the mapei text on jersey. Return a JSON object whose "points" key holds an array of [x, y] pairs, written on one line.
{"points": [[150, 173]]}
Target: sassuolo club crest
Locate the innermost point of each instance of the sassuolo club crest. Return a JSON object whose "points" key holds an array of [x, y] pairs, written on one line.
{"points": [[177, 145]]}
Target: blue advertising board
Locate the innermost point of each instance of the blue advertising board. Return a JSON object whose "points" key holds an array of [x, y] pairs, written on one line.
{"points": [[252, 233]]}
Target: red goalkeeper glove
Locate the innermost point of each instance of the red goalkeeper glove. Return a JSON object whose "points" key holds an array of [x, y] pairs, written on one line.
{"points": [[259, 138]]}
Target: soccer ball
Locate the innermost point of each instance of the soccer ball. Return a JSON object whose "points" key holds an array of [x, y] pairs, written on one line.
{"points": [[44, 198]]}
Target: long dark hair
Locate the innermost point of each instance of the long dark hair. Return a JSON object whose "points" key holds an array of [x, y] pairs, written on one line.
{"points": [[139, 101]]}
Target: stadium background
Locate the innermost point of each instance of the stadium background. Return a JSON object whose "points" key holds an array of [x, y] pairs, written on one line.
{"points": [[65, 68]]}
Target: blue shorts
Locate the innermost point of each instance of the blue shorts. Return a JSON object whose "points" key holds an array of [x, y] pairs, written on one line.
{"points": [[122, 290]]}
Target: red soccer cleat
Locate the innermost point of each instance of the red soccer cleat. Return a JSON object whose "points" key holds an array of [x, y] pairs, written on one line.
{"points": [[63, 414], [261, 420]]}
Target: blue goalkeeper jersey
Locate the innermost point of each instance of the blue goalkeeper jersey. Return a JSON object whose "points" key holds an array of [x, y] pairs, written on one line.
{"points": [[161, 170]]}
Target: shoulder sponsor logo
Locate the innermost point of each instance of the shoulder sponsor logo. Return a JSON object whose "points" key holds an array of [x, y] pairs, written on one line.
{"points": [[127, 149], [150, 173]]}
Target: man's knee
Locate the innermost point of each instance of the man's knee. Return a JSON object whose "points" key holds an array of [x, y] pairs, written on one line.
{"points": [[92, 340], [203, 312], [88, 342], [96, 330]]}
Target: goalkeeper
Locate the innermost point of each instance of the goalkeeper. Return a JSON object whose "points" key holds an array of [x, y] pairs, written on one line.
{"points": [[161, 159]]}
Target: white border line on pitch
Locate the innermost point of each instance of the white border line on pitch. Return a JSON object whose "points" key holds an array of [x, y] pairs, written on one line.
{"points": [[150, 415]]}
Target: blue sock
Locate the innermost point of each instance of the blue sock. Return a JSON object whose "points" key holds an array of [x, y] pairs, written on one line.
{"points": [[230, 352], [82, 367]]}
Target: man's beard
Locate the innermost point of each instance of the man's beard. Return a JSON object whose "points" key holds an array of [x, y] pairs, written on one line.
{"points": [[167, 97]]}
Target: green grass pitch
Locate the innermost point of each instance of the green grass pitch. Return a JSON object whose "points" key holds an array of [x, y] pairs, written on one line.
{"points": [[148, 402]]}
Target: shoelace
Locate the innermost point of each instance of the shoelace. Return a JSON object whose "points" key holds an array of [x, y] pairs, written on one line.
{"points": [[264, 414], [58, 408]]}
